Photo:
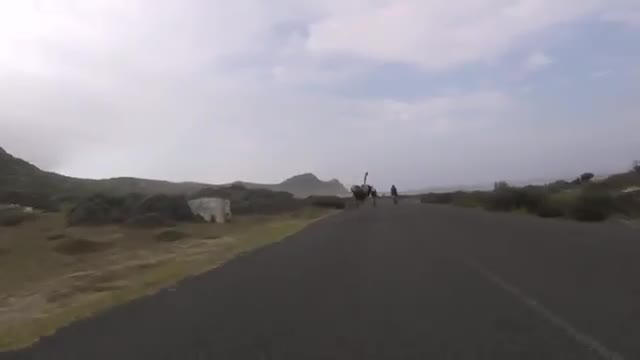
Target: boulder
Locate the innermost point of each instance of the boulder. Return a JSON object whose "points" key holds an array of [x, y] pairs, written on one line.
{"points": [[209, 209]]}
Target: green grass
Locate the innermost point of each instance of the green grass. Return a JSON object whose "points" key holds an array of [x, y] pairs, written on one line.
{"points": [[174, 261]]}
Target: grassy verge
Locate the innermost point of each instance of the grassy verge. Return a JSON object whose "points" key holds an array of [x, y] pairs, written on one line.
{"points": [[64, 288]]}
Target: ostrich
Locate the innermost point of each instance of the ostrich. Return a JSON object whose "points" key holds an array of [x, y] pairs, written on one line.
{"points": [[362, 192]]}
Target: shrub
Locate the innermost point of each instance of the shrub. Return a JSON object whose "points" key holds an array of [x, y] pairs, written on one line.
{"points": [[331, 202], [56, 236], [170, 235], [550, 209], [252, 201], [628, 203], [499, 185], [471, 199], [238, 186], [81, 246], [37, 200], [260, 201], [593, 204], [532, 198], [437, 198], [149, 221], [623, 181], [101, 209], [222, 192], [510, 198], [557, 186], [14, 217], [501, 200], [173, 207]]}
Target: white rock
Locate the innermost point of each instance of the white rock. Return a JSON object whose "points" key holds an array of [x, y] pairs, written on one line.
{"points": [[211, 209]]}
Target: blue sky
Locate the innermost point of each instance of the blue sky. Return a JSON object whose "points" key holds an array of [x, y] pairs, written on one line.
{"points": [[417, 92]]}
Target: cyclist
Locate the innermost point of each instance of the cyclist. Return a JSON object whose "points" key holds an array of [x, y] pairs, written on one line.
{"points": [[394, 194], [374, 195]]}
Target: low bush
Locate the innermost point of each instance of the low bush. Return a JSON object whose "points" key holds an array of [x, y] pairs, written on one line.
{"points": [[172, 207], [550, 209], [472, 199], [458, 198], [170, 235], [54, 237], [246, 201], [14, 217], [587, 202], [81, 246], [558, 186], [331, 202], [628, 204], [40, 201], [135, 209], [622, 181], [259, 201], [593, 204], [101, 209], [437, 198], [511, 198], [152, 220]]}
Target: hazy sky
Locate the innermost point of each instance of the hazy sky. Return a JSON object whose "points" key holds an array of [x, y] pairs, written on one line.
{"points": [[417, 92]]}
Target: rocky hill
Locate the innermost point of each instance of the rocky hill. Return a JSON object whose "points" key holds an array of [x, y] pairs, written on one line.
{"points": [[303, 185], [18, 175]]}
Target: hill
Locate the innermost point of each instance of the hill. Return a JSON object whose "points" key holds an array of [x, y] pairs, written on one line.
{"points": [[302, 186], [18, 175]]}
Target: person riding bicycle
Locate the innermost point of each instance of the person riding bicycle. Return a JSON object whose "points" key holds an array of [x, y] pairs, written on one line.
{"points": [[394, 193], [374, 195]]}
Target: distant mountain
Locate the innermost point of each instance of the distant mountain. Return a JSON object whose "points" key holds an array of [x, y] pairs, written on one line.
{"points": [[303, 185], [19, 175]]}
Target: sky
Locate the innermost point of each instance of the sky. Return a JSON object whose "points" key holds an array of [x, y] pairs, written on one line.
{"points": [[418, 93]]}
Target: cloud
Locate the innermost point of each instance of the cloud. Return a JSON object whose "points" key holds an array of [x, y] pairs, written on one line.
{"points": [[215, 90], [537, 61], [622, 11], [630, 18], [437, 35], [601, 73]]}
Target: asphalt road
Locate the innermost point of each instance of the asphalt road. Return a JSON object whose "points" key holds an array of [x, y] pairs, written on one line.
{"points": [[395, 282]]}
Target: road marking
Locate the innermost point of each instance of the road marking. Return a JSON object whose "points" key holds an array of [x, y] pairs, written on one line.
{"points": [[580, 337]]}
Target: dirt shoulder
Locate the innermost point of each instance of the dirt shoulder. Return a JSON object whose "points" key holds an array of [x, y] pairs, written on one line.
{"points": [[53, 275]]}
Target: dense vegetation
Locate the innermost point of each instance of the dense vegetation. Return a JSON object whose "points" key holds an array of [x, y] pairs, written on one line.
{"points": [[330, 202], [160, 210], [148, 203], [582, 199]]}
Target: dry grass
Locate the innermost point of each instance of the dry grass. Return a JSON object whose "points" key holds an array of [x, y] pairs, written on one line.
{"points": [[47, 284]]}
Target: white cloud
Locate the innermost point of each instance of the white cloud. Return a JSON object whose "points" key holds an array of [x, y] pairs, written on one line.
{"points": [[601, 73], [622, 11], [180, 89], [627, 17], [162, 36], [537, 60], [440, 35]]}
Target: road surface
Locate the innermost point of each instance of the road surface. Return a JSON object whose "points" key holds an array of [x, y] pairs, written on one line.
{"points": [[395, 282]]}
